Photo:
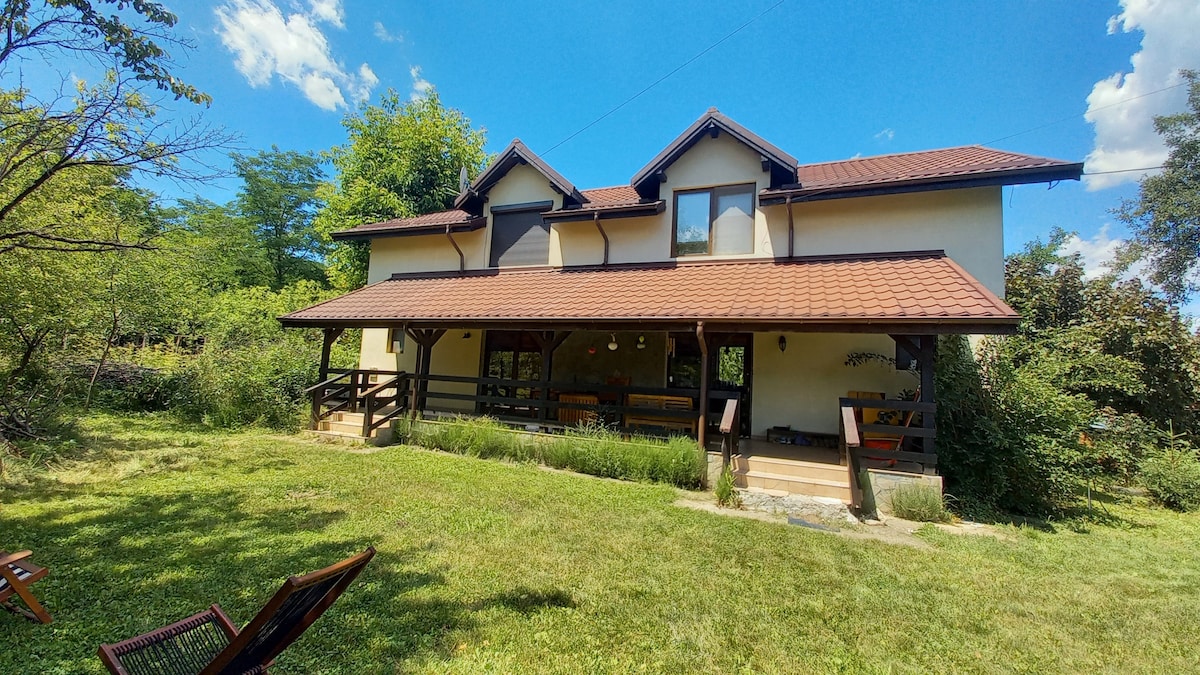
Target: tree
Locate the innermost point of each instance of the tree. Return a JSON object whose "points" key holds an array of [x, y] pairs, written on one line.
{"points": [[1165, 218], [114, 124], [279, 199], [402, 159]]}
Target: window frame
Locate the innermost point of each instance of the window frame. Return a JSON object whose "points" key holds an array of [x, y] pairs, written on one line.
{"points": [[713, 192]]}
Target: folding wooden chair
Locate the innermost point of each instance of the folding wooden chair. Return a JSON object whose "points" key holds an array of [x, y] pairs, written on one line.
{"points": [[16, 574], [208, 644]]}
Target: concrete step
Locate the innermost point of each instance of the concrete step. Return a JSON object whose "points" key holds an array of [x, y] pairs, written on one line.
{"points": [[797, 485], [791, 467]]}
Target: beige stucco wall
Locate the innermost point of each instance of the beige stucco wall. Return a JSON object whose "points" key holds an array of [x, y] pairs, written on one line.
{"points": [[967, 224], [452, 355], [801, 385]]}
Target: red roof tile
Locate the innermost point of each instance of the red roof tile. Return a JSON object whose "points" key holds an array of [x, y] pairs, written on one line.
{"points": [[905, 288], [927, 164], [428, 220]]}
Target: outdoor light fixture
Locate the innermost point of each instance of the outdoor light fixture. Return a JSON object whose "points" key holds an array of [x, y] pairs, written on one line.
{"points": [[612, 346], [782, 343], [641, 342], [467, 335]]}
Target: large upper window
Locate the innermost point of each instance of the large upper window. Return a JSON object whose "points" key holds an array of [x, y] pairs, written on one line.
{"points": [[714, 221], [520, 236]]}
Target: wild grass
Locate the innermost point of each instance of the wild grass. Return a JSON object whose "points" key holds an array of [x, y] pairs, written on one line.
{"points": [[592, 450], [488, 566], [918, 501]]}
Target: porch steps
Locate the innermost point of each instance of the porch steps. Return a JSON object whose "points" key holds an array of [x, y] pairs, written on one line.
{"points": [[347, 426], [793, 476]]}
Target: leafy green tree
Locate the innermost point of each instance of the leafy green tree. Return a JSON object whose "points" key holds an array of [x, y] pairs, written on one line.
{"points": [[116, 123], [279, 199], [217, 245], [402, 159], [1165, 218]]}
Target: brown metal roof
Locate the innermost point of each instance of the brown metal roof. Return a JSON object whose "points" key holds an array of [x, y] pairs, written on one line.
{"points": [[437, 221], [923, 170], [903, 291]]}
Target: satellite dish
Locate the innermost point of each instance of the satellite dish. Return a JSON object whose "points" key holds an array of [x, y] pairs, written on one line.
{"points": [[464, 181]]}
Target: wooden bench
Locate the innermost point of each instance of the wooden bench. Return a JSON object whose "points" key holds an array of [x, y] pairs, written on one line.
{"points": [[654, 402]]}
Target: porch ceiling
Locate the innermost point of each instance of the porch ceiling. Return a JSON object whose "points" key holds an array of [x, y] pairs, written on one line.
{"points": [[916, 292]]}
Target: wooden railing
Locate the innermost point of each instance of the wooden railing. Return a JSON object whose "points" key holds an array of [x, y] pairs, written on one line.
{"points": [[353, 391], [394, 393], [903, 434]]}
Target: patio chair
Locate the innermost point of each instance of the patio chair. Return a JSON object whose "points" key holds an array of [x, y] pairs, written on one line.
{"points": [[208, 644], [16, 574], [575, 416]]}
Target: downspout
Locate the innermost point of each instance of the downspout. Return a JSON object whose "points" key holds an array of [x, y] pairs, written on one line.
{"points": [[791, 228], [462, 259], [596, 220]]}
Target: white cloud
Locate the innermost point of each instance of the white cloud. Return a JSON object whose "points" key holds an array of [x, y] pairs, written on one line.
{"points": [[421, 86], [266, 44], [384, 35], [328, 10], [1097, 254], [885, 135], [1125, 137]]}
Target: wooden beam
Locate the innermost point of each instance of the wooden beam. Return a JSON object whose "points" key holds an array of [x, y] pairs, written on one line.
{"points": [[702, 428], [927, 358], [330, 336]]}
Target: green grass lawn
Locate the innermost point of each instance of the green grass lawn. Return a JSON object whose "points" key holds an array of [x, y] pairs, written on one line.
{"points": [[485, 566]]}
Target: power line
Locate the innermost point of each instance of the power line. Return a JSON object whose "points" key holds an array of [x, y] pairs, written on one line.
{"points": [[1101, 173], [659, 81], [1071, 117]]}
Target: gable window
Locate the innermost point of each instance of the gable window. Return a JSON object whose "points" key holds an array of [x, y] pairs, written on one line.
{"points": [[520, 236], [714, 221]]}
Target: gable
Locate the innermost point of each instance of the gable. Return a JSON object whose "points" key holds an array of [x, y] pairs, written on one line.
{"points": [[780, 166], [517, 154]]}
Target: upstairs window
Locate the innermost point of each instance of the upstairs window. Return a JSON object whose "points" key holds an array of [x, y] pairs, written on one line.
{"points": [[714, 221], [520, 236]]}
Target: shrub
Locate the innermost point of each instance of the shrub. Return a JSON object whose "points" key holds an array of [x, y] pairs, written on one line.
{"points": [[591, 449], [1172, 476], [918, 501], [727, 494]]}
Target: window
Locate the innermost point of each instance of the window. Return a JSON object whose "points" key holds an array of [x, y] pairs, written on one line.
{"points": [[395, 343], [716, 221], [520, 236]]}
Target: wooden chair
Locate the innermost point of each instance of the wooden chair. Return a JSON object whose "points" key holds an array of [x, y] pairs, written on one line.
{"points": [[208, 644], [16, 574], [652, 402], [576, 416]]}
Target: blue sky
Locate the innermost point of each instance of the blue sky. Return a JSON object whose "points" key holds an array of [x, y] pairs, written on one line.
{"points": [[823, 81]]}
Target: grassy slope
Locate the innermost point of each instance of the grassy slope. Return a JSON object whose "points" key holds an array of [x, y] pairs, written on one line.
{"points": [[492, 567]]}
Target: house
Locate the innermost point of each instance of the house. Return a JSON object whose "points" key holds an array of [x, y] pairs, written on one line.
{"points": [[725, 270]]}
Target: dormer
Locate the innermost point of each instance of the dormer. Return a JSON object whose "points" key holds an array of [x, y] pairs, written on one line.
{"points": [[779, 166], [516, 154]]}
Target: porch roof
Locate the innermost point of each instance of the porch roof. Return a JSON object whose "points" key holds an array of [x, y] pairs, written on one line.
{"points": [[913, 292]]}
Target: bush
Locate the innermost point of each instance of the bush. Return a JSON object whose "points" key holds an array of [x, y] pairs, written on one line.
{"points": [[1172, 476], [249, 385], [592, 450], [727, 494], [918, 501], [1009, 437]]}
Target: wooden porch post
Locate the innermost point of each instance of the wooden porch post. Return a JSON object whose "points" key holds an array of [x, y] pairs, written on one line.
{"points": [[425, 340], [702, 429], [330, 336], [928, 358], [548, 341]]}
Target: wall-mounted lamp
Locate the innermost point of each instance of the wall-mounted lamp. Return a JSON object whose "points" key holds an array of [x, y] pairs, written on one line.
{"points": [[466, 335], [612, 345], [641, 343], [782, 343]]}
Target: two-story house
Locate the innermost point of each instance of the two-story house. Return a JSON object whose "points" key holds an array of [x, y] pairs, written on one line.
{"points": [[724, 270]]}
